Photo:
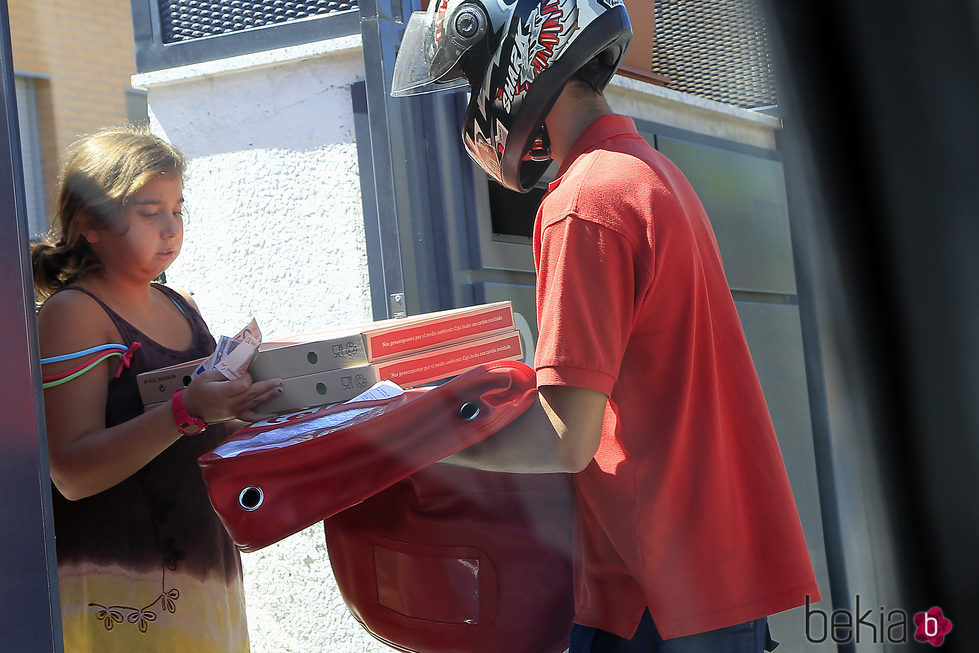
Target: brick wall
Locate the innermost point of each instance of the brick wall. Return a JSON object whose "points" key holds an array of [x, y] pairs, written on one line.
{"points": [[83, 53]]}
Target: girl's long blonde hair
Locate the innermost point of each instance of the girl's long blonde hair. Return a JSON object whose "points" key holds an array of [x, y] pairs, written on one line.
{"points": [[102, 172]]}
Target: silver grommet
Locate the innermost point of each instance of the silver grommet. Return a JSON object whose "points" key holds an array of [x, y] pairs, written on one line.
{"points": [[251, 498], [469, 411]]}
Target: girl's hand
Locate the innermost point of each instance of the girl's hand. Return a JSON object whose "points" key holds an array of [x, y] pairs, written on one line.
{"points": [[214, 398]]}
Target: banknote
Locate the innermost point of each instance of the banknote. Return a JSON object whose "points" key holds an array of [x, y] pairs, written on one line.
{"points": [[233, 355]]}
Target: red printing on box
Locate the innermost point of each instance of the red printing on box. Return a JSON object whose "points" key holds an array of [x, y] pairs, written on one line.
{"points": [[399, 339], [449, 361]]}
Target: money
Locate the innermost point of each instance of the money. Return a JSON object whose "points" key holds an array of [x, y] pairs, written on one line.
{"points": [[232, 356]]}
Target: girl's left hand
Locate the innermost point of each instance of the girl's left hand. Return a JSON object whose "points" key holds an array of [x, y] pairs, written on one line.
{"points": [[214, 398]]}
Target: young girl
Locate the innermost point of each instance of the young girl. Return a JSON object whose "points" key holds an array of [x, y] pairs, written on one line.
{"points": [[143, 561]]}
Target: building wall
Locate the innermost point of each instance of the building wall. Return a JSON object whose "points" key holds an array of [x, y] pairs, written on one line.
{"points": [[275, 230], [83, 56]]}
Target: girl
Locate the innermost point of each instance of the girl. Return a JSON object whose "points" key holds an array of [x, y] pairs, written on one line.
{"points": [[144, 563]]}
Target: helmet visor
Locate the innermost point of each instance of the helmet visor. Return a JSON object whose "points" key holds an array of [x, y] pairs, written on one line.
{"points": [[428, 57]]}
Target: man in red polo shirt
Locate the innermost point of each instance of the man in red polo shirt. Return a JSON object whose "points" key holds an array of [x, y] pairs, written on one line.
{"points": [[687, 535]]}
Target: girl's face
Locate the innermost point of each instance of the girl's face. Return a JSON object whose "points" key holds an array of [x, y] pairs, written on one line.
{"points": [[155, 234]]}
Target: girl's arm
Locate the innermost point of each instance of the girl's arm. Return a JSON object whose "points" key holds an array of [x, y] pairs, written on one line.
{"points": [[85, 456]]}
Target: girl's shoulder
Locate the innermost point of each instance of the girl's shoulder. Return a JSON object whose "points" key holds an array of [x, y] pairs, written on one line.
{"points": [[71, 321], [73, 308]]}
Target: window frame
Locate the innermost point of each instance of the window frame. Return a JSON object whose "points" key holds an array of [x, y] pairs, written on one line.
{"points": [[30, 149]]}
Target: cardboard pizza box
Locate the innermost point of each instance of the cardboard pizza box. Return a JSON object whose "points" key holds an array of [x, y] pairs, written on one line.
{"points": [[330, 387], [451, 360], [404, 336], [354, 347], [320, 388], [417, 369]]}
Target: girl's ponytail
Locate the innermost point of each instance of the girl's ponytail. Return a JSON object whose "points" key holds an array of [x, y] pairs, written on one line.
{"points": [[57, 263]]}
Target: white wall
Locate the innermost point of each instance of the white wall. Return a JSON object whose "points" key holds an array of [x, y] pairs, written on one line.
{"points": [[274, 230]]}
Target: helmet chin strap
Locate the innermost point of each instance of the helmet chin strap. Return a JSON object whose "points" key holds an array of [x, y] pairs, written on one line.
{"points": [[540, 149]]}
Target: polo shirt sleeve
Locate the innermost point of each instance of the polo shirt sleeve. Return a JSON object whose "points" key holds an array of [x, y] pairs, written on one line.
{"points": [[585, 303]]}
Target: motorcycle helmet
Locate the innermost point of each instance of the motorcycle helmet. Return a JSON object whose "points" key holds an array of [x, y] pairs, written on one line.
{"points": [[516, 56]]}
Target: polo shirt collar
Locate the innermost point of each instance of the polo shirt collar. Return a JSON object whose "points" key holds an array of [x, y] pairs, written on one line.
{"points": [[602, 129]]}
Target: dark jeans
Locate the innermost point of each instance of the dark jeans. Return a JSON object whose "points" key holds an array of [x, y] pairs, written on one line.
{"points": [[750, 637]]}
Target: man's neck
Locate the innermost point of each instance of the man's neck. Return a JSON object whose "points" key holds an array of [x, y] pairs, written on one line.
{"points": [[569, 118]]}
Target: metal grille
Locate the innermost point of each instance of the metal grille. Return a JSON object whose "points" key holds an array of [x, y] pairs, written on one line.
{"points": [[716, 49], [182, 20]]}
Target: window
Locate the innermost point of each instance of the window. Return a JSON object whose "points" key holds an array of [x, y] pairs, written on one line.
{"points": [[30, 145], [137, 107], [512, 213]]}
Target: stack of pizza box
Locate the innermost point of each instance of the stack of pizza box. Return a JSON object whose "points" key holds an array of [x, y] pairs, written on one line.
{"points": [[334, 366]]}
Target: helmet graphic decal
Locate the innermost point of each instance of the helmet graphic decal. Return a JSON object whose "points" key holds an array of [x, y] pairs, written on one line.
{"points": [[535, 43], [552, 20], [440, 21]]}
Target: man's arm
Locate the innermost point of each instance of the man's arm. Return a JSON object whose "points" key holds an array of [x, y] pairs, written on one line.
{"points": [[559, 433]]}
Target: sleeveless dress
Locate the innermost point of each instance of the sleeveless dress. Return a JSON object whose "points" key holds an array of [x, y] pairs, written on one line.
{"points": [[146, 565]]}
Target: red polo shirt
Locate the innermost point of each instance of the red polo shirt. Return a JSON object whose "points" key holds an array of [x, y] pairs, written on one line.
{"points": [[686, 508]]}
